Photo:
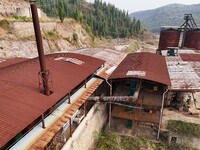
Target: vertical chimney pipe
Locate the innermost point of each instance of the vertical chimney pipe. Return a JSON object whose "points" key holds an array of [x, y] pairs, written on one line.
{"points": [[40, 47]]}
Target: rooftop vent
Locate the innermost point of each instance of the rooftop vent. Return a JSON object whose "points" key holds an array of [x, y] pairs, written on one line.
{"points": [[71, 60], [136, 73]]}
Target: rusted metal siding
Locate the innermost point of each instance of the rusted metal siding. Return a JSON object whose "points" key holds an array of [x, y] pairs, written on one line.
{"points": [[192, 39], [146, 66], [136, 115], [169, 38], [21, 102]]}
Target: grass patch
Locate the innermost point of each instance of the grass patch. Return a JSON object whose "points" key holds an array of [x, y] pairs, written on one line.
{"points": [[151, 42], [111, 141], [134, 46], [72, 40], [21, 18], [184, 128], [67, 39], [28, 38], [51, 35]]}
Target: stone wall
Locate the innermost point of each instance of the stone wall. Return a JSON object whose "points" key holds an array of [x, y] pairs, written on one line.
{"points": [[25, 29], [26, 12], [13, 48]]}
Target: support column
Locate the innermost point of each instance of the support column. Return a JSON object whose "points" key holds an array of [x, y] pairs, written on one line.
{"points": [[85, 83], [69, 98], [43, 123], [70, 126]]}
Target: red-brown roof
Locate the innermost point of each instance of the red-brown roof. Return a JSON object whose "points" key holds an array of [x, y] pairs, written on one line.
{"points": [[8, 62], [190, 57], [184, 72], [21, 103], [145, 65]]}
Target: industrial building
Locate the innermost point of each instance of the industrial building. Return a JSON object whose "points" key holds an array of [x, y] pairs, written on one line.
{"points": [[23, 105], [139, 75], [42, 97]]}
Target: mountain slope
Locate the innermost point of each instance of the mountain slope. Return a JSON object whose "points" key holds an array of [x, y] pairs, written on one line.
{"points": [[102, 19], [169, 15]]}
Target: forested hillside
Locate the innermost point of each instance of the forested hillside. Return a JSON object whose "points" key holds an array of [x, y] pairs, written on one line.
{"points": [[100, 18]]}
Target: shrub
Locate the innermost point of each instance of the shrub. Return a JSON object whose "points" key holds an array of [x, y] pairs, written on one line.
{"points": [[75, 37], [51, 35], [5, 24]]}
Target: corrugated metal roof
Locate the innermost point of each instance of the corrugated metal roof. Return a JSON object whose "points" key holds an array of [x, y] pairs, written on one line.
{"points": [[21, 103], [8, 62], [145, 65], [112, 57], [74, 106], [184, 72], [190, 57]]}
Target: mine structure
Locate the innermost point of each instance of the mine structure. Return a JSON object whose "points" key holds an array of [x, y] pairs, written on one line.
{"points": [[184, 36]]}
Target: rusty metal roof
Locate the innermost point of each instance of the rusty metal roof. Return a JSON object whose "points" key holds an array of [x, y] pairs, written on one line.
{"points": [[8, 62], [112, 57], [21, 103], [190, 57], [184, 71], [144, 65]]}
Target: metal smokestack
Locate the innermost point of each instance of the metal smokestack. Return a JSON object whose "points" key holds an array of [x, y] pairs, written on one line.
{"points": [[39, 42]]}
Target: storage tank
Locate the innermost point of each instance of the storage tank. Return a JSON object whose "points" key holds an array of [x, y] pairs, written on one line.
{"points": [[192, 39], [169, 38]]}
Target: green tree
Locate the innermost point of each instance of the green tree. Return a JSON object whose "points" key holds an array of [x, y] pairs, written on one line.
{"points": [[61, 10]]}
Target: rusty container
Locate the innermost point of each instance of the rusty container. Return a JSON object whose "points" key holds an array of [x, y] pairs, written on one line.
{"points": [[192, 39], [169, 38]]}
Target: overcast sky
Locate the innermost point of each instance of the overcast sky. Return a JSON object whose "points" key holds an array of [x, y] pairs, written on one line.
{"points": [[138, 5]]}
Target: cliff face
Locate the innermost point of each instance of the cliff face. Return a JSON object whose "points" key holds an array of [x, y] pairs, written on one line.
{"points": [[17, 39]]}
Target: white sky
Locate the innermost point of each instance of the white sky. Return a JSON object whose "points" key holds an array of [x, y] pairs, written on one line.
{"points": [[138, 5]]}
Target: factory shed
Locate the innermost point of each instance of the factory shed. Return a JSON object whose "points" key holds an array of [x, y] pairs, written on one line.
{"points": [[144, 78], [22, 104]]}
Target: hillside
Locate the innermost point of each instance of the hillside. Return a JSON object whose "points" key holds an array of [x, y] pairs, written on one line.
{"points": [[17, 38], [169, 15], [8, 8], [100, 18], [17, 35]]}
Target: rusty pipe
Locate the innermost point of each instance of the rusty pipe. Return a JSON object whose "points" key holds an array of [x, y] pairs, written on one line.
{"points": [[161, 113], [113, 98], [40, 49]]}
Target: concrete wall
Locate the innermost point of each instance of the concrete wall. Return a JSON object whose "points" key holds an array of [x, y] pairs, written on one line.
{"points": [[26, 12], [183, 140], [83, 136]]}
